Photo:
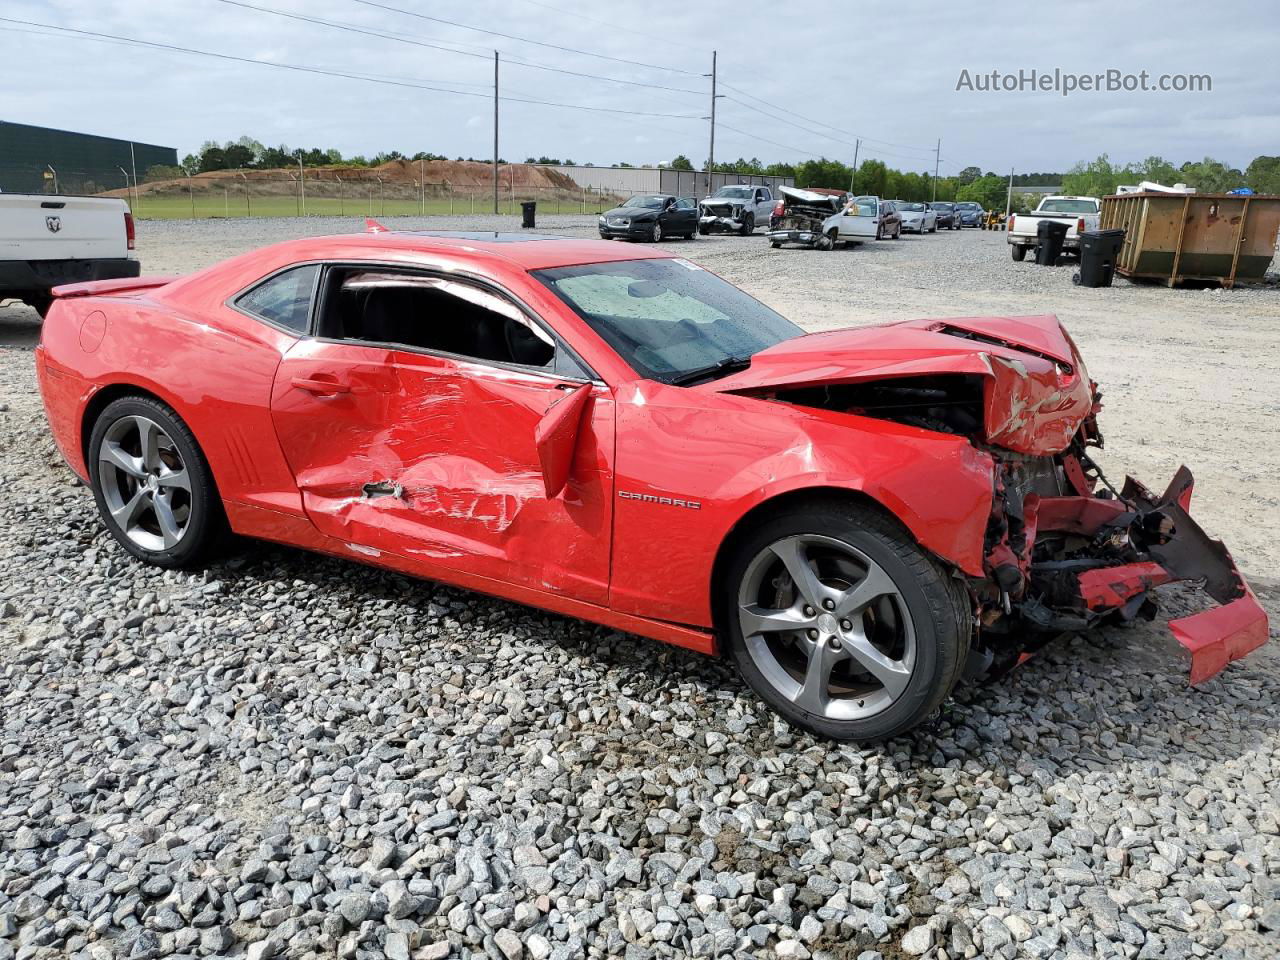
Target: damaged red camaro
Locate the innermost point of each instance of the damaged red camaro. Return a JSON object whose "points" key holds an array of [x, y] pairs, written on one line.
{"points": [[856, 518]]}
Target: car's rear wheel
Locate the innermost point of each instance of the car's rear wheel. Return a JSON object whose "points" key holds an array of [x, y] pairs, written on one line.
{"points": [[842, 624], [152, 484], [1018, 251]]}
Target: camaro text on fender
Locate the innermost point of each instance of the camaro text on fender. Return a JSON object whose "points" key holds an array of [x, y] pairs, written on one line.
{"points": [[662, 501]]}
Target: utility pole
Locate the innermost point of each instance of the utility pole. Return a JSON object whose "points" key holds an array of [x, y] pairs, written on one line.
{"points": [[711, 151], [857, 145], [495, 131], [134, 164], [1008, 201], [302, 184], [937, 160]]}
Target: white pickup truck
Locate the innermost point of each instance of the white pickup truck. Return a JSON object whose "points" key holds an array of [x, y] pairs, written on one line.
{"points": [[47, 240], [1078, 213]]}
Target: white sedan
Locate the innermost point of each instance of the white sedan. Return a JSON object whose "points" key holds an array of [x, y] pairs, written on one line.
{"points": [[918, 218]]}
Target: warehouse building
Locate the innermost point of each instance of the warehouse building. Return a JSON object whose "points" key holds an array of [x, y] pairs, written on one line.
{"points": [[43, 160]]}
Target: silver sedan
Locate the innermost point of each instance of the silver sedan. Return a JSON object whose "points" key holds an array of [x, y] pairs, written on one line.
{"points": [[918, 218]]}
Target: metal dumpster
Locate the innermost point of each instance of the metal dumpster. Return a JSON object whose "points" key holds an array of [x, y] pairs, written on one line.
{"points": [[1194, 236]]}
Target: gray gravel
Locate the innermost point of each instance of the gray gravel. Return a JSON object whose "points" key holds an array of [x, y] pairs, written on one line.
{"points": [[291, 756]]}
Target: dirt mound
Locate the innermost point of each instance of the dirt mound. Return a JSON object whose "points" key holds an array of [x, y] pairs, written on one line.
{"points": [[458, 175]]}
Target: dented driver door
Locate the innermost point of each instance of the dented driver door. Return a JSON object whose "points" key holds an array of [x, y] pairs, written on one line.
{"points": [[434, 459]]}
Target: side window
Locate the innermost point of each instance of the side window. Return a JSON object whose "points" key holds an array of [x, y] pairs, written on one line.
{"points": [[284, 300], [438, 314], [766, 195], [684, 203]]}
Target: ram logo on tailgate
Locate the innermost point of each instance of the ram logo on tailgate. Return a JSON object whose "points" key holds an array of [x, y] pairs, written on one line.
{"points": [[53, 223]]}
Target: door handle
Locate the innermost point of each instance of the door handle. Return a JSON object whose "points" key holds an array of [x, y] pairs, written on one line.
{"points": [[320, 387]]}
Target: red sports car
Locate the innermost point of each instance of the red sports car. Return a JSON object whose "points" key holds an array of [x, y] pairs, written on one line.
{"points": [[856, 517]]}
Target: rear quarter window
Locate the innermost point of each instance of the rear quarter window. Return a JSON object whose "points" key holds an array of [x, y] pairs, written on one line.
{"points": [[283, 300]]}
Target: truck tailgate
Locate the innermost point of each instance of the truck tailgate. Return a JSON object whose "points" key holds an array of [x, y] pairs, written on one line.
{"points": [[34, 227]]}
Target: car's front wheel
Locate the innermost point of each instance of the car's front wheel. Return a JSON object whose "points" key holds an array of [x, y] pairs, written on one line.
{"points": [[152, 484], [655, 235], [842, 624], [748, 225]]}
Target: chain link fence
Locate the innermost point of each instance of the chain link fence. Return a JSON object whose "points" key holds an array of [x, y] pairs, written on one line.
{"points": [[367, 194], [325, 194]]}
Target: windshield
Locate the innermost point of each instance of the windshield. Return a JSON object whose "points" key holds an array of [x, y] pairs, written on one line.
{"points": [[913, 207], [734, 193], [968, 205], [1068, 206], [942, 206], [667, 317], [649, 202]]}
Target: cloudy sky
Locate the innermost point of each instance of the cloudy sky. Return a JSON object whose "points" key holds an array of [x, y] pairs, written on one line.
{"points": [[887, 74]]}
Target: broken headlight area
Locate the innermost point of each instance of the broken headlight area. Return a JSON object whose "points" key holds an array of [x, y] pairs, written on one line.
{"points": [[1066, 552]]}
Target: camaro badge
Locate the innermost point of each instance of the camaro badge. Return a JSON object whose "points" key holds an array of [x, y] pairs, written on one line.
{"points": [[661, 501]]}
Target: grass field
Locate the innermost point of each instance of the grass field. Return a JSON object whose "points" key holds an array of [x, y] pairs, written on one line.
{"points": [[234, 203]]}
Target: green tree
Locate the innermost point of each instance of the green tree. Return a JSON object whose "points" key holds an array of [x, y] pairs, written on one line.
{"points": [[164, 171], [1263, 174], [989, 190], [968, 175], [681, 162]]}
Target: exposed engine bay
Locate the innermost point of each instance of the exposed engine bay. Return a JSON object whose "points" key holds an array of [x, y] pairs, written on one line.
{"points": [[1065, 550]]}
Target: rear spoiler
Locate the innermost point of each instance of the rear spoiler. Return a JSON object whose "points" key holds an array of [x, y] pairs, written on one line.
{"points": [[113, 288]]}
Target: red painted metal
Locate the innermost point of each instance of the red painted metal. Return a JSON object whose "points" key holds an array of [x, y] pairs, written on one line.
{"points": [[1110, 587], [1217, 636], [609, 500]]}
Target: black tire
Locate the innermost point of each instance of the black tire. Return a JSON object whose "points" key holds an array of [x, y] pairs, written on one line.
{"points": [[40, 302], [775, 244], [748, 224], [825, 242], [655, 235], [938, 605], [1018, 251], [703, 230], [206, 526], [880, 232]]}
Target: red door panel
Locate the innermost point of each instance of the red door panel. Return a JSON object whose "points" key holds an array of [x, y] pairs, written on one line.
{"points": [[435, 460]]}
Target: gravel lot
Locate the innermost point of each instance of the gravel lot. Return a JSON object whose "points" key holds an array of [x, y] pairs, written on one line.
{"points": [[293, 756]]}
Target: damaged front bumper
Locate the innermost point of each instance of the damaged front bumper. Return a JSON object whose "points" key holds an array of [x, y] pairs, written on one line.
{"points": [[807, 238], [1069, 563], [710, 223]]}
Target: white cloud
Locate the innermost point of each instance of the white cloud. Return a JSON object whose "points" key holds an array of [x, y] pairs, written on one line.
{"points": [[897, 96]]}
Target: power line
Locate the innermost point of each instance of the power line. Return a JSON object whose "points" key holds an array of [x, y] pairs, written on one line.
{"points": [[611, 26], [322, 71], [821, 123], [508, 36], [420, 42], [818, 133]]}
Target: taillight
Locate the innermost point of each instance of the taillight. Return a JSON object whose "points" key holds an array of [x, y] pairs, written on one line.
{"points": [[1012, 217], [129, 236], [1080, 225]]}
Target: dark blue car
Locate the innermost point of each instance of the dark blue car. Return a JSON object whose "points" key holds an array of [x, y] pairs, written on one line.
{"points": [[969, 214]]}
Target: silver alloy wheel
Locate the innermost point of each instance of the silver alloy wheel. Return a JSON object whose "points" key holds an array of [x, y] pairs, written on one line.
{"points": [[827, 627], [144, 483], [657, 231]]}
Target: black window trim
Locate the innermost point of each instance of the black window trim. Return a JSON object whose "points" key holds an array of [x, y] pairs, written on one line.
{"points": [[316, 305], [233, 302]]}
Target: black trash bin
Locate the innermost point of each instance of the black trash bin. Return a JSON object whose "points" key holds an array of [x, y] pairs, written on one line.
{"points": [[1098, 252], [529, 207], [1049, 237]]}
